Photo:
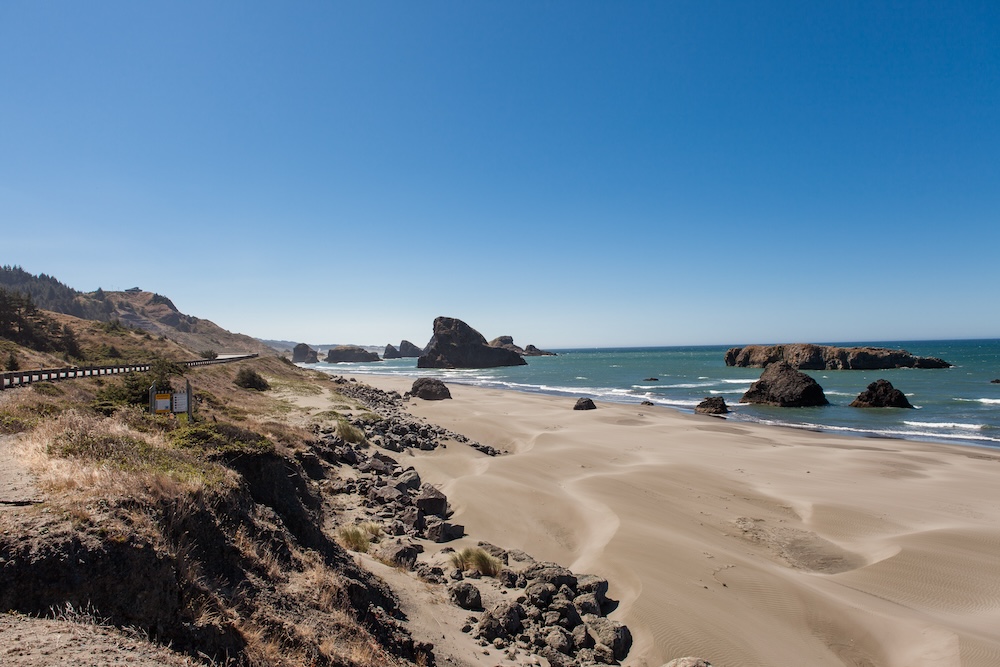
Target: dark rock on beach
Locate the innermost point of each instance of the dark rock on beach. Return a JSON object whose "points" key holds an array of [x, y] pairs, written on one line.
{"points": [[584, 404], [712, 405], [430, 389], [303, 354], [457, 345], [826, 357], [881, 394], [783, 386], [349, 353]]}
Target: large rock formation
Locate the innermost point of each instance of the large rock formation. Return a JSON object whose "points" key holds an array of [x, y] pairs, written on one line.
{"points": [[303, 354], [408, 349], [347, 353], [782, 385], [881, 394], [507, 343], [391, 353], [826, 357], [457, 345]]}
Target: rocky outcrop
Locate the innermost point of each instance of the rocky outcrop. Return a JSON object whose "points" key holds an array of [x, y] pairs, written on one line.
{"points": [[303, 354], [881, 394], [584, 404], [348, 353], [785, 387], [408, 349], [712, 405], [457, 345], [507, 343], [391, 353], [430, 389], [825, 357]]}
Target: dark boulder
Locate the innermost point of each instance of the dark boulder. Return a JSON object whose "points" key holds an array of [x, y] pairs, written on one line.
{"points": [[881, 394], [465, 595], [443, 531], [457, 345], [303, 354], [408, 349], [430, 389], [712, 405], [785, 387], [348, 353], [391, 353], [399, 554], [584, 404], [430, 501], [828, 357], [997, 381]]}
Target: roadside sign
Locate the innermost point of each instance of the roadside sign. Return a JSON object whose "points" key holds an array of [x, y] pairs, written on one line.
{"points": [[162, 404]]}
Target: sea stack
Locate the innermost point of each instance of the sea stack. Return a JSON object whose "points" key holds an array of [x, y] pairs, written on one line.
{"points": [[348, 353], [457, 345], [785, 387], [881, 394], [826, 357]]}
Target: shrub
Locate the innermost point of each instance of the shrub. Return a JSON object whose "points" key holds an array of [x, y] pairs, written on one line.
{"points": [[208, 354], [350, 433], [47, 389], [354, 538], [220, 437], [475, 558], [12, 363], [248, 378]]}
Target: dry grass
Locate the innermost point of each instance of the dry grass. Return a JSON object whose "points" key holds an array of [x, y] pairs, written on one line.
{"points": [[475, 558], [350, 433], [354, 538]]}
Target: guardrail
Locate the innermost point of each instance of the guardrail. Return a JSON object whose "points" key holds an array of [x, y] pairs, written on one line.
{"points": [[12, 379]]}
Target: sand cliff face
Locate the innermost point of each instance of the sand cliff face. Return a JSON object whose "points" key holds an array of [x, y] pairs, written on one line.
{"points": [[826, 357]]}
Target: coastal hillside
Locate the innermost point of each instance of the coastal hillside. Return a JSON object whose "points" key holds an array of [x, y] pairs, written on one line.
{"points": [[134, 308]]}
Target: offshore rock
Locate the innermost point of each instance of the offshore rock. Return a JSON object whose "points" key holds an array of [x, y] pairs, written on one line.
{"points": [[507, 343], [408, 349], [348, 353], [826, 357], [712, 405], [881, 394], [785, 387], [391, 353], [303, 354], [457, 345]]}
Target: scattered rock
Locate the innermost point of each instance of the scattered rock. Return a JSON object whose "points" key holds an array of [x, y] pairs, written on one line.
{"points": [[688, 662], [430, 389], [827, 357], [712, 405], [783, 386], [399, 553], [457, 345], [584, 404], [431, 501], [881, 394]]}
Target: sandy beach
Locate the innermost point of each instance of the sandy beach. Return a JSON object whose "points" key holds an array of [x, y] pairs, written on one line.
{"points": [[743, 544]]}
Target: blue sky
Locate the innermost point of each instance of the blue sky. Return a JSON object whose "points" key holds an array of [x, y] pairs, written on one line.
{"points": [[568, 173]]}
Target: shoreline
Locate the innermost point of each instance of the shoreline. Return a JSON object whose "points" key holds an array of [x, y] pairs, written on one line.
{"points": [[735, 541]]}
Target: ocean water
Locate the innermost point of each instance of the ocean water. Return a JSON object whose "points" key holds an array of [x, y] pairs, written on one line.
{"points": [[958, 405]]}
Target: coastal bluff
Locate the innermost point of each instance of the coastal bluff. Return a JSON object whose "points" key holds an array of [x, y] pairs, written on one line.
{"points": [[827, 357], [457, 345]]}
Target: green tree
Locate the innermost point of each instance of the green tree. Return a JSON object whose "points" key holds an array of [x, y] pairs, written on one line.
{"points": [[12, 363]]}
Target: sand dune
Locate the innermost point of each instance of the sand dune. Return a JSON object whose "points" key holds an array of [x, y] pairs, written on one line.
{"points": [[746, 545]]}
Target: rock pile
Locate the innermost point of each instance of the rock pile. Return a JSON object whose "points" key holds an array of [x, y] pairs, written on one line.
{"points": [[558, 614]]}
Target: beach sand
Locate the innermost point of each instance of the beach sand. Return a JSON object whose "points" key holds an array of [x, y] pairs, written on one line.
{"points": [[743, 544]]}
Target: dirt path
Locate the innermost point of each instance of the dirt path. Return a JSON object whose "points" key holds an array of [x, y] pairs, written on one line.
{"points": [[17, 484]]}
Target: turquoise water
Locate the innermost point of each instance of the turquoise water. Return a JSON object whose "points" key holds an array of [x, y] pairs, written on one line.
{"points": [[957, 405]]}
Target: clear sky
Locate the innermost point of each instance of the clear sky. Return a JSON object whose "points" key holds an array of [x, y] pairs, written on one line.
{"points": [[569, 173]]}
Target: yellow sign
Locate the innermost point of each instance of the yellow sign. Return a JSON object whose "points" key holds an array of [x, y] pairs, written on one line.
{"points": [[162, 404]]}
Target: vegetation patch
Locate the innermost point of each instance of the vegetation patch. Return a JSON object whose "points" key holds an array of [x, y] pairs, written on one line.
{"points": [[354, 538], [10, 423], [350, 433], [47, 389], [222, 438], [248, 378], [475, 558]]}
